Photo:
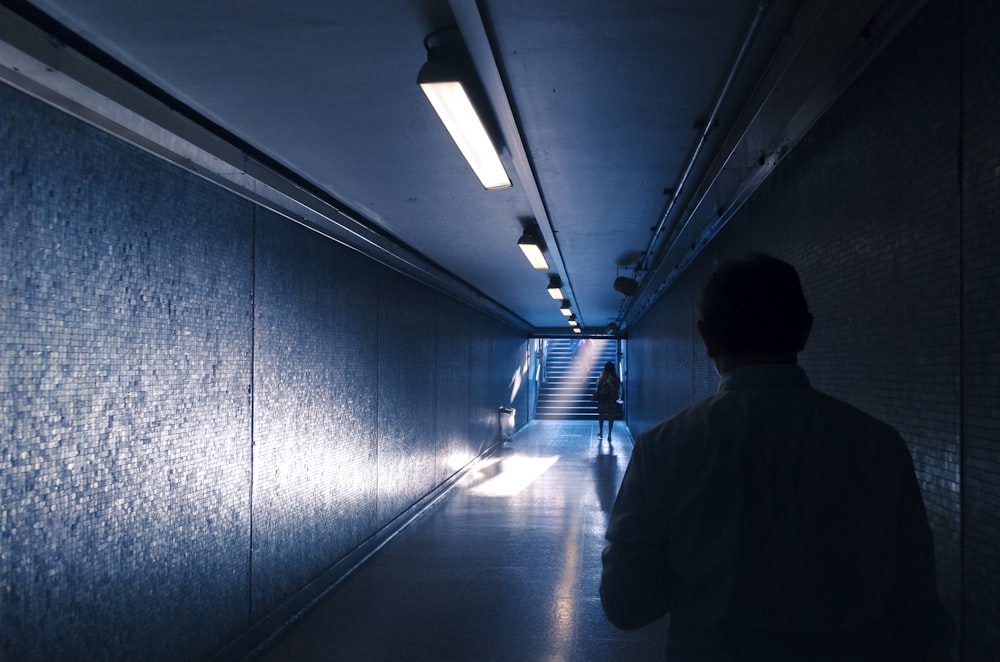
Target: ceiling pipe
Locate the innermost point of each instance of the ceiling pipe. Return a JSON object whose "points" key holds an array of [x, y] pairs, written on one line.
{"points": [[872, 28], [652, 255]]}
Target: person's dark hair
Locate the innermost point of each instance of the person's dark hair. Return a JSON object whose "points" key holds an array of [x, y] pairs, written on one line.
{"points": [[755, 304], [609, 368]]}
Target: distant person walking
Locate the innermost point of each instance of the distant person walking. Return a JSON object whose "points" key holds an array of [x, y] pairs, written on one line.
{"points": [[606, 396], [771, 521]]}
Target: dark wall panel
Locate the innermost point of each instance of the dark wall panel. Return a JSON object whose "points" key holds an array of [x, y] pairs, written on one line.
{"points": [[870, 208], [125, 298], [661, 355], [981, 333]]}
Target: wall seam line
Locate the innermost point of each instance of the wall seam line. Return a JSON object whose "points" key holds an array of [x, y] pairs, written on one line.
{"points": [[252, 402], [961, 625]]}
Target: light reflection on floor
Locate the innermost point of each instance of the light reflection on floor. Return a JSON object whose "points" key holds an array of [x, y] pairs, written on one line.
{"points": [[517, 472], [510, 577]]}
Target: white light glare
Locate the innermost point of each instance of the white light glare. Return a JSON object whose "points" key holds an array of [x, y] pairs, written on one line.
{"points": [[534, 255], [518, 472], [460, 118]]}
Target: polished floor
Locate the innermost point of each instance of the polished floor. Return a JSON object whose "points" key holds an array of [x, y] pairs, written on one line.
{"points": [[504, 568]]}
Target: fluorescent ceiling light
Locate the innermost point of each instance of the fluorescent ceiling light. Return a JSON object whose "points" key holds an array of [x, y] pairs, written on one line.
{"points": [[576, 329], [441, 79], [565, 308], [555, 288], [531, 245]]}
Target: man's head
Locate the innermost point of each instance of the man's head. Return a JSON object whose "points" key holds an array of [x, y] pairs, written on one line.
{"points": [[753, 310]]}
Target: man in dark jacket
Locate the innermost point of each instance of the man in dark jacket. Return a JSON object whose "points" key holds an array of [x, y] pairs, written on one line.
{"points": [[771, 521]]}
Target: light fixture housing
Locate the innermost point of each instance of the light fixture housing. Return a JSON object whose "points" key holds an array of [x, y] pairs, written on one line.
{"points": [[533, 248], [448, 81], [627, 286], [565, 308], [555, 288]]}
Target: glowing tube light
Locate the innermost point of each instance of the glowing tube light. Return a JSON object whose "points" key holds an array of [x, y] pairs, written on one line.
{"points": [[441, 80]]}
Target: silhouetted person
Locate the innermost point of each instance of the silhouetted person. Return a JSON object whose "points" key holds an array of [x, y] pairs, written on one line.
{"points": [[606, 396], [771, 521]]}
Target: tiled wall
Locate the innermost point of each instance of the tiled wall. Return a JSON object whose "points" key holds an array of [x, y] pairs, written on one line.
{"points": [[124, 368], [203, 406], [315, 407], [980, 378], [898, 255]]}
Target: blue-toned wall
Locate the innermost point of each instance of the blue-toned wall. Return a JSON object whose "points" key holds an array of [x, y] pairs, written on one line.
{"points": [[204, 406], [890, 209]]}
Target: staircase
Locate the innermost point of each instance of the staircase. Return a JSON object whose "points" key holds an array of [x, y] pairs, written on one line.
{"points": [[569, 378]]}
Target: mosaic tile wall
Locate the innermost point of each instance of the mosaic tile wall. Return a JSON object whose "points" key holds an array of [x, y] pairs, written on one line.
{"points": [[407, 459], [315, 407], [873, 211], [125, 299], [367, 389], [204, 406], [452, 396]]}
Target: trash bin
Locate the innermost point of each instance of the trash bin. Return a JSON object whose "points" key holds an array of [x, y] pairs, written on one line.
{"points": [[506, 415]]}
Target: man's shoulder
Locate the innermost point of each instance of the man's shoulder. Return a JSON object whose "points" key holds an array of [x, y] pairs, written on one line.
{"points": [[728, 410], [849, 414], [682, 423]]}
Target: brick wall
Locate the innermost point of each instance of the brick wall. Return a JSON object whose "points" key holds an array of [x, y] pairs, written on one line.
{"points": [[204, 406], [899, 264]]}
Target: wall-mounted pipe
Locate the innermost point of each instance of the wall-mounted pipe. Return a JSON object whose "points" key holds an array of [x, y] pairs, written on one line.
{"points": [[652, 252]]}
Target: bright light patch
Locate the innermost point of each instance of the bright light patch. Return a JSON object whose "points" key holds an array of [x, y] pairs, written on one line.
{"points": [[518, 472], [460, 118], [534, 254], [515, 384], [457, 460]]}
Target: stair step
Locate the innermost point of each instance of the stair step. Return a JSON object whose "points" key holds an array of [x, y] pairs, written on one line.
{"points": [[565, 392]]}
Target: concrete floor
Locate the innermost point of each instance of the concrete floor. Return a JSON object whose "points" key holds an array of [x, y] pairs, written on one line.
{"points": [[506, 567]]}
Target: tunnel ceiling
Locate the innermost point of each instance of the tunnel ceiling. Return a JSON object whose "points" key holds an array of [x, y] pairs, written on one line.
{"points": [[632, 130]]}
